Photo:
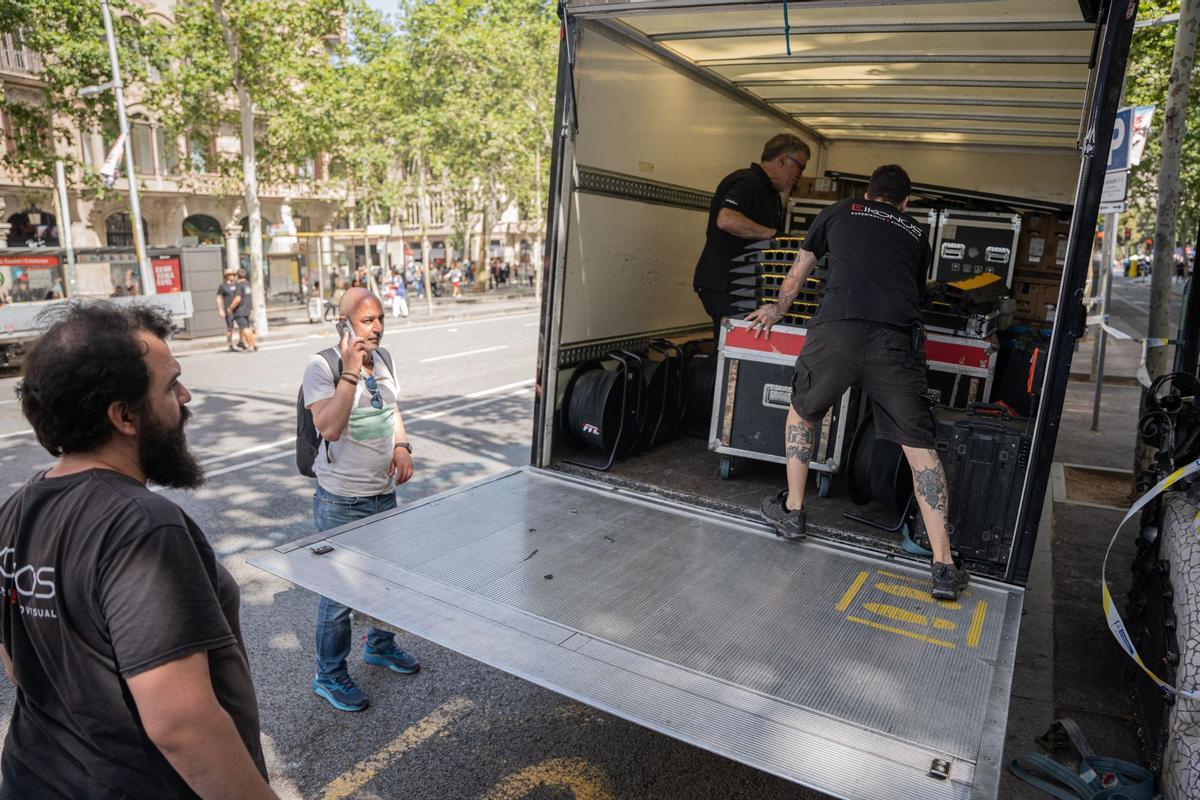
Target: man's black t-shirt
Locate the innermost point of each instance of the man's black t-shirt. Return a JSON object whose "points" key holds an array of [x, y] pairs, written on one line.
{"points": [[104, 580], [228, 291], [750, 192], [878, 257], [243, 309]]}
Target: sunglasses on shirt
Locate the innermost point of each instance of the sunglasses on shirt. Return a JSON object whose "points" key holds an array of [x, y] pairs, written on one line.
{"points": [[373, 387]]}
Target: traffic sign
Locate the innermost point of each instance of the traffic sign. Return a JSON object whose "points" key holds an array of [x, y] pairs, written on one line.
{"points": [[1112, 208], [1118, 151], [1115, 184]]}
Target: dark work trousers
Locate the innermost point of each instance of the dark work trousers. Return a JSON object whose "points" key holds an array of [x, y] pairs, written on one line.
{"points": [[718, 304]]}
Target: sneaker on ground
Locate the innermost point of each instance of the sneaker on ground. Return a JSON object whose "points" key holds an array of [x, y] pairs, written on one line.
{"points": [[393, 658], [241, 345], [341, 692], [949, 580], [788, 524]]}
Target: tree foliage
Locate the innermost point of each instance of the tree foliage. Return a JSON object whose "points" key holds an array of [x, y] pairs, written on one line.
{"points": [[1148, 73], [68, 37]]}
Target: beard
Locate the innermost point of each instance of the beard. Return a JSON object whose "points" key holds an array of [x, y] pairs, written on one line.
{"points": [[164, 454]]}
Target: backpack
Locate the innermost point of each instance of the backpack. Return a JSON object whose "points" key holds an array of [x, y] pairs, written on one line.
{"points": [[308, 441]]}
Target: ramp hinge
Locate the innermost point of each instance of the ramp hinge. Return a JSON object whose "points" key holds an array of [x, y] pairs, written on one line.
{"points": [[939, 769], [320, 549]]}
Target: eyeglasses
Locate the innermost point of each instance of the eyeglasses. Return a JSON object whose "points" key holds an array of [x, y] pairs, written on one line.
{"points": [[797, 162], [373, 388]]}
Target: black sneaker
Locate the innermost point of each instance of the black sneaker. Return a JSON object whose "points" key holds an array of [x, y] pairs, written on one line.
{"points": [[949, 580], [242, 346], [788, 524]]}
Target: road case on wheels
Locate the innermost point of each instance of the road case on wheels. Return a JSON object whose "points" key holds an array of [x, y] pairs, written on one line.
{"points": [[753, 393]]}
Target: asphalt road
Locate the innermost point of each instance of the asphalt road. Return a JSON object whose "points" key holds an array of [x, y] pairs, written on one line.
{"points": [[458, 729]]}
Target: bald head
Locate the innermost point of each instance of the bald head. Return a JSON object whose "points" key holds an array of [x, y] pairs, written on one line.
{"points": [[355, 297]]}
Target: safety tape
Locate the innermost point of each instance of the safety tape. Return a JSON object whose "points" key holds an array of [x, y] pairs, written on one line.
{"points": [[1115, 623]]}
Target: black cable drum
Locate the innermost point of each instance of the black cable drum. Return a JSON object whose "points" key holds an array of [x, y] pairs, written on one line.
{"points": [[878, 469], [594, 407]]}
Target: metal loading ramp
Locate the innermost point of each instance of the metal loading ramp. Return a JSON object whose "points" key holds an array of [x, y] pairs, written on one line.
{"points": [[826, 666]]}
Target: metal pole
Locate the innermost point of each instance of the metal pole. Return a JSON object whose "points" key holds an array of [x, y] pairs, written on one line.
{"points": [[1106, 259], [135, 206], [64, 227]]}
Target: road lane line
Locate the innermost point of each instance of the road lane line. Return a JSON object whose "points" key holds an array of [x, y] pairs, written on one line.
{"points": [[464, 353], [417, 734], [16, 433], [269, 347], [482, 397]]}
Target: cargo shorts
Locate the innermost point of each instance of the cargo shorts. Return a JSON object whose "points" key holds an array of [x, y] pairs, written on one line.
{"points": [[879, 359]]}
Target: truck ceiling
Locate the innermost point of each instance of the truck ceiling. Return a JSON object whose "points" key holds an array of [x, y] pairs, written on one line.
{"points": [[1002, 74]]}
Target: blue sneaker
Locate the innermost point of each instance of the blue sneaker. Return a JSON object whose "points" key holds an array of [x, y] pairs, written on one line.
{"points": [[393, 658], [341, 692]]}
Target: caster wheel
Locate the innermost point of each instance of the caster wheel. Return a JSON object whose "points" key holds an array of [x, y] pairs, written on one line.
{"points": [[726, 468], [824, 484]]}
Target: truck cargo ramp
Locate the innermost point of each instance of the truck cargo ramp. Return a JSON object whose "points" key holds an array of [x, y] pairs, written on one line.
{"points": [[827, 666]]}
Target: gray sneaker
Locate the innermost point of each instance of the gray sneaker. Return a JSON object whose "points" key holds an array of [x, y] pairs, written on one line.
{"points": [[788, 524], [949, 580]]}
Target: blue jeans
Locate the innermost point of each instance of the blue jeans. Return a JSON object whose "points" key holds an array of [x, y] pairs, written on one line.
{"points": [[333, 619]]}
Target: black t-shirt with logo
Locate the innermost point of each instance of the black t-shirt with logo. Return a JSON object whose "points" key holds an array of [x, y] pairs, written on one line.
{"points": [[878, 258], [228, 291], [750, 192], [243, 309], [102, 581]]}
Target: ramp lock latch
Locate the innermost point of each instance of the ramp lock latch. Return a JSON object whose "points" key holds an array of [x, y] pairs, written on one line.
{"points": [[939, 769]]}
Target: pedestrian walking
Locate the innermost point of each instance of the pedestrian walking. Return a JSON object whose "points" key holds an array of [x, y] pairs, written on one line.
{"points": [[229, 297], [398, 294], [352, 391], [242, 313], [455, 276], [120, 626], [335, 297]]}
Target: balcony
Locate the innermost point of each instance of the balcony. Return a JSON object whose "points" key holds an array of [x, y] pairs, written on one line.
{"points": [[16, 58]]}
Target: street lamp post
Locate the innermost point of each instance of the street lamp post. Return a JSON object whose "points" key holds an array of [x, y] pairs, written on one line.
{"points": [[135, 206]]}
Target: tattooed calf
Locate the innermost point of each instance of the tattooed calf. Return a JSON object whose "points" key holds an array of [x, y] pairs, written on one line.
{"points": [[800, 438], [931, 486]]}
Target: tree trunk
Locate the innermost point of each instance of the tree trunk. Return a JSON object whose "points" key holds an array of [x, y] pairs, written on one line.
{"points": [[423, 215], [1173, 134], [539, 257], [258, 296]]}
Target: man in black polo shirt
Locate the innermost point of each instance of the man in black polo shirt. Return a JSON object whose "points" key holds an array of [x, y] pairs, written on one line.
{"points": [[867, 332], [745, 208]]}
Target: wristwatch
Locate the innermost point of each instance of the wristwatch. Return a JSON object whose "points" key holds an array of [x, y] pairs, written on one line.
{"points": [[405, 445]]}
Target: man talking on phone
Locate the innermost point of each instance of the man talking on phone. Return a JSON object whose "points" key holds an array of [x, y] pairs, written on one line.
{"points": [[363, 454]]}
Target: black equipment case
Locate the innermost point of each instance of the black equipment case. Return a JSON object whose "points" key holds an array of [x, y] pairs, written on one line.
{"points": [[984, 453], [970, 243]]}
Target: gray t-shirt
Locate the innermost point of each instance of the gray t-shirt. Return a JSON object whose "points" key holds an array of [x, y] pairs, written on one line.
{"points": [[356, 465]]}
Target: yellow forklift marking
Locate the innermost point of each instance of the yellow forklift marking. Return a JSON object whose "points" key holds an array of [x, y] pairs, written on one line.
{"points": [[583, 779], [909, 593], [896, 613], [848, 597], [943, 624], [901, 632], [361, 773], [976, 630]]}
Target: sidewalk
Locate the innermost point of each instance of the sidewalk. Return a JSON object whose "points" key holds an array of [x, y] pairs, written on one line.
{"points": [[1068, 664], [291, 322]]}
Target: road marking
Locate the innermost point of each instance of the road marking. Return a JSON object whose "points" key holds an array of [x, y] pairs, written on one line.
{"points": [[413, 415], [464, 353], [848, 597], [530, 324], [16, 433], [975, 632], [364, 771], [583, 779], [901, 632], [269, 347]]}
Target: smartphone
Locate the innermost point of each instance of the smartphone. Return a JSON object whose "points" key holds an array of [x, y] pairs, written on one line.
{"points": [[343, 329]]}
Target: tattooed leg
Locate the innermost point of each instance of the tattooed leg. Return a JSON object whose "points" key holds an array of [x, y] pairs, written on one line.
{"points": [[929, 483], [798, 445]]}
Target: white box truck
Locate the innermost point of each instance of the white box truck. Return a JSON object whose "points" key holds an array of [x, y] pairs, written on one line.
{"points": [[655, 593]]}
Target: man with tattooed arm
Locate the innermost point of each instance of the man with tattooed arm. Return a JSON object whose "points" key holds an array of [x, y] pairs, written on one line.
{"points": [[867, 332]]}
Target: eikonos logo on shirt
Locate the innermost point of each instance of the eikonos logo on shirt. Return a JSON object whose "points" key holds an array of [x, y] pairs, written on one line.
{"points": [[860, 210]]}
